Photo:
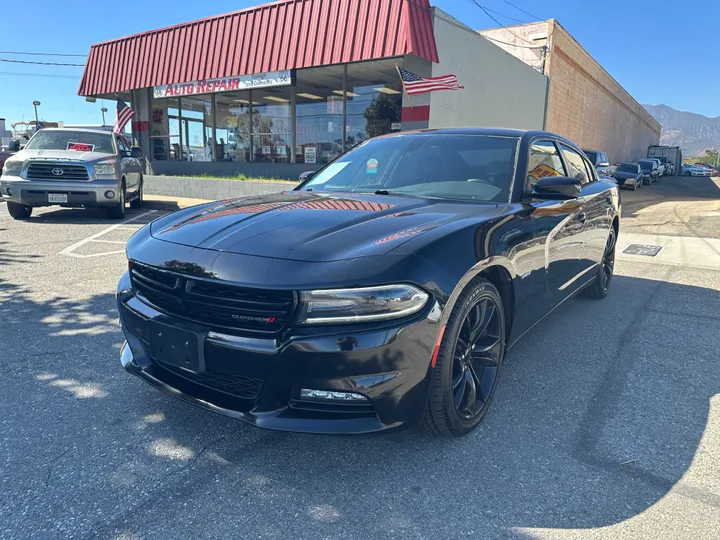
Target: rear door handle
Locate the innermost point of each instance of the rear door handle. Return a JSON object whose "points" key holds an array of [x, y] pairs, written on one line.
{"points": [[582, 217]]}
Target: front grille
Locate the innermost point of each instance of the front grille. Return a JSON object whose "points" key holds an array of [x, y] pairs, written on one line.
{"points": [[43, 170], [235, 385], [213, 303]]}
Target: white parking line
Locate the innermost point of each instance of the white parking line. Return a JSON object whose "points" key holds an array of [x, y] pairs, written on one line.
{"points": [[70, 251]]}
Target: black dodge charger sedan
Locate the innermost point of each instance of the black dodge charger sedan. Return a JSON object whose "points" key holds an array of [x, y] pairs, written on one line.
{"points": [[383, 292]]}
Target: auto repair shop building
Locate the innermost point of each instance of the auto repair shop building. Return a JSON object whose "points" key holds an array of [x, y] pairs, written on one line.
{"points": [[281, 88]]}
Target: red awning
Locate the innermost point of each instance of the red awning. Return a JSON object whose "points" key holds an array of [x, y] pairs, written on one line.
{"points": [[285, 35]]}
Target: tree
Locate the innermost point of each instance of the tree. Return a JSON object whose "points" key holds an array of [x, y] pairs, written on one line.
{"points": [[383, 110]]}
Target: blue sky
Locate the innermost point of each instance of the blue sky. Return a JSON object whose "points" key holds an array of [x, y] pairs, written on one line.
{"points": [[632, 39]]}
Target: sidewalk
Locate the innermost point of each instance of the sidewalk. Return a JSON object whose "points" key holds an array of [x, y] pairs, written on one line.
{"points": [[160, 202]]}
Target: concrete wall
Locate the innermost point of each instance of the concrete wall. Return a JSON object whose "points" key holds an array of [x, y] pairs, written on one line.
{"points": [[286, 171], [500, 90], [213, 190], [585, 103]]}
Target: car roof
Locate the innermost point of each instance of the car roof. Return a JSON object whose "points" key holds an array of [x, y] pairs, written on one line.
{"points": [[627, 163], [84, 130], [489, 131]]}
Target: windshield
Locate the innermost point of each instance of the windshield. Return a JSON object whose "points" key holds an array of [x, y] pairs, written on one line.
{"points": [[646, 165], [474, 167], [591, 155], [82, 141], [628, 167]]}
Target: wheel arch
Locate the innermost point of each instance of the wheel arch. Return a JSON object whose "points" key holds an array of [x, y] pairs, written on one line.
{"points": [[501, 273]]}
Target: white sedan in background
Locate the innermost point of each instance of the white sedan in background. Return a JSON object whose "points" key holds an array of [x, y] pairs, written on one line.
{"points": [[694, 170]]}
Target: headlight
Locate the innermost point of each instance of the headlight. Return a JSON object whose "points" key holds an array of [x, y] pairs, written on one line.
{"points": [[338, 306], [12, 166], [104, 168]]}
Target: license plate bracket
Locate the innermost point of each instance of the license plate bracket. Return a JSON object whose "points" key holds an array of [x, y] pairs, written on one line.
{"points": [[177, 347], [57, 197]]}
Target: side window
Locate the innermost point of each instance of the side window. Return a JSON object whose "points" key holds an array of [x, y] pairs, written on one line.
{"points": [[603, 158], [121, 144], [544, 161], [576, 164]]}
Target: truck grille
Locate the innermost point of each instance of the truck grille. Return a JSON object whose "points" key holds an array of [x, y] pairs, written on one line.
{"points": [[213, 303], [48, 170]]}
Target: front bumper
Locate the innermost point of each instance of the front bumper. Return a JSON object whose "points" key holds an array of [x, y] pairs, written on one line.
{"points": [[35, 192], [259, 380]]}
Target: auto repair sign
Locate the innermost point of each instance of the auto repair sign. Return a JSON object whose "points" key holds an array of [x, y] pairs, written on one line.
{"points": [[224, 84]]}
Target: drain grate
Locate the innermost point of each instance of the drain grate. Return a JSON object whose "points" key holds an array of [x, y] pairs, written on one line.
{"points": [[642, 249]]}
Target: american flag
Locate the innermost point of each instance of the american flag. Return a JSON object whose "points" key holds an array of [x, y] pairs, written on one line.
{"points": [[124, 114], [415, 84]]}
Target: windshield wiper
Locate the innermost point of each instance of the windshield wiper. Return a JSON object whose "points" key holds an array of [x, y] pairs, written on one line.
{"points": [[382, 192]]}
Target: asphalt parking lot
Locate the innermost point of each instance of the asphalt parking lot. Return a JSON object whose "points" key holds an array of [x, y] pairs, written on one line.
{"points": [[606, 423]]}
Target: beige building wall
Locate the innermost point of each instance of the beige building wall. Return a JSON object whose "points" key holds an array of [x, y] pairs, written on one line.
{"points": [[585, 103], [500, 90]]}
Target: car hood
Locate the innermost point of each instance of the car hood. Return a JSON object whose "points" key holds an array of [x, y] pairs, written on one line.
{"points": [[623, 175], [62, 155], [314, 227]]}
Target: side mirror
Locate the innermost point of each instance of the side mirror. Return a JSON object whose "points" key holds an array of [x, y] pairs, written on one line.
{"points": [[136, 152], [557, 187], [306, 175]]}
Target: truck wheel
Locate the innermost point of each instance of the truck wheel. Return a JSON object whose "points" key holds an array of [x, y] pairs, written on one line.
{"points": [[19, 210], [118, 211]]}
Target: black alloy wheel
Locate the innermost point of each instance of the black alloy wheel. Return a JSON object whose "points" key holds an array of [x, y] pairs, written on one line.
{"points": [[469, 362], [601, 285]]}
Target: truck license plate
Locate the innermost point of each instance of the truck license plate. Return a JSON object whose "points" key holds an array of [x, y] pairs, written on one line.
{"points": [[57, 197]]}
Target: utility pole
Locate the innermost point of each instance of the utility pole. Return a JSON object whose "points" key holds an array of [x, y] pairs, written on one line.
{"points": [[36, 104], [103, 110]]}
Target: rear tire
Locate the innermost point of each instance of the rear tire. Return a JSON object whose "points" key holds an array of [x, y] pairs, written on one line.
{"points": [[19, 210], [118, 211], [469, 362], [601, 285]]}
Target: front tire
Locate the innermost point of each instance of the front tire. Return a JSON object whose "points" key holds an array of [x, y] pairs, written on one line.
{"points": [[118, 211], [688, 173], [469, 360], [137, 202], [601, 285], [19, 210]]}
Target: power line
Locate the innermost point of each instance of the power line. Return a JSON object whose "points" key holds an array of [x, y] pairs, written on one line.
{"points": [[506, 16], [42, 54], [498, 22], [43, 75], [521, 9], [513, 44], [40, 63]]}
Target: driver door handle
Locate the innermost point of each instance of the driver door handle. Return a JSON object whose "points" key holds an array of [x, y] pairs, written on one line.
{"points": [[582, 217]]}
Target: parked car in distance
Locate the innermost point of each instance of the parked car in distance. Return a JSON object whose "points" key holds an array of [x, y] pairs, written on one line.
{"points": [[650, 170], [694, 170], [411, 264], [712, 168], [629, 175], [73, 168], [660, 166], [600, 161], [669, 168]]}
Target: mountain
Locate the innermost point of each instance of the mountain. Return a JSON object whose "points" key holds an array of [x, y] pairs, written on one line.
{"points": [[694, 133]]}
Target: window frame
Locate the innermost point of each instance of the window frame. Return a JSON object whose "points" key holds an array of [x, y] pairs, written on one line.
{"points": [[532, 142], [590, 172], [122, 148]]}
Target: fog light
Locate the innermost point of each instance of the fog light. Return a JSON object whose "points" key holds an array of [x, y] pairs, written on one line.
{"points": [[109, 194], [327, 394]]}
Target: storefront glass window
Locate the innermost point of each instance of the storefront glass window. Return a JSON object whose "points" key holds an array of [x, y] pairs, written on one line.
{"points": [[319, 114], [374, 103], [232, 114], [196, 129], [165, 129], [271, 128]]}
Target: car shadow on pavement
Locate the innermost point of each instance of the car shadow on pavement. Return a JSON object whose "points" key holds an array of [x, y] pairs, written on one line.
{"points": [[674, 189], [600, 413], [85, 216]]}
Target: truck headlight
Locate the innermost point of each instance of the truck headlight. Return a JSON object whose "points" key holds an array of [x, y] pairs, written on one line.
{"points": [[104, 168], [367, 304], [12, 167]]}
